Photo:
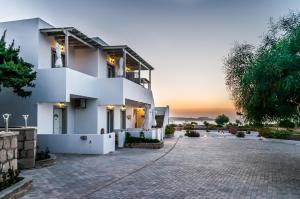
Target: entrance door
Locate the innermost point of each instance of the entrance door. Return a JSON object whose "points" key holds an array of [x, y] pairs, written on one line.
{"points": [[123, 119], [59, 120], [110, 121]]}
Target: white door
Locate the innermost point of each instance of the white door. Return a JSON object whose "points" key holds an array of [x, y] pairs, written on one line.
{"points": [[57, 121]]}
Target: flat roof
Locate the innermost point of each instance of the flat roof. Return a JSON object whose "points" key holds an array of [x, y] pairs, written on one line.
{"points": [[119, 50], [82, 40], [59, 34]]}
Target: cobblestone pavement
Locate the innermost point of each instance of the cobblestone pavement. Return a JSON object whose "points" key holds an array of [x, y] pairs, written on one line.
{"points": [[206, 167]]}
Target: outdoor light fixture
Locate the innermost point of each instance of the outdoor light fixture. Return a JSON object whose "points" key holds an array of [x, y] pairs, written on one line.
{"points": [[6, 117], [127, 69], [110, 107], [123, 108], [61, 104], [25, 120], [111, 60]]}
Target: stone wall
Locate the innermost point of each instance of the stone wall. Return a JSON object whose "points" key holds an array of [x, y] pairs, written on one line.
{"points": [[26, 147], [8, 151]]}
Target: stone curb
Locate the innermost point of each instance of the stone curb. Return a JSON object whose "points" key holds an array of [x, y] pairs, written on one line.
{"points": [[47, 162], [17, 190]]}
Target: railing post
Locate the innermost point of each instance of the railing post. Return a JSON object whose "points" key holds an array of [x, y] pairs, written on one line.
{"points": [[140, 73], [149, 85], [124, 64], [66, 49]]}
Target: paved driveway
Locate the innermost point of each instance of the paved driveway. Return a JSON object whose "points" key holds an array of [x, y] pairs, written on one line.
{"points": [[206, 167]]}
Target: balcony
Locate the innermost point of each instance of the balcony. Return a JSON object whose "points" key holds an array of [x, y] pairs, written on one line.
{"points": [[122, 61], [115, 91], [57, 84]]}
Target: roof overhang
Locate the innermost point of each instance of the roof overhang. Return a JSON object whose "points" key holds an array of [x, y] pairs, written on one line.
{"points": [[119, 50], [77, 38]]}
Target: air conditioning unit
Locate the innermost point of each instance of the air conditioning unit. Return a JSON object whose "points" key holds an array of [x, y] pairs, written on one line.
{"points": [[80, 103]]}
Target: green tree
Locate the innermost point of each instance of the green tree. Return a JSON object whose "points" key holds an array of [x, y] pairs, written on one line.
{"points": [[222, 119], [206, 124], [265, 82], [15, 73]]}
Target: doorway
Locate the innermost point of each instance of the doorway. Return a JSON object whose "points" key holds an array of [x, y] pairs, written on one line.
{"points": [[123, 119], [110, 120], [59, 120]]}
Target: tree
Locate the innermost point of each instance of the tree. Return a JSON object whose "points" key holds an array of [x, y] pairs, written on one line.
{"points": [[222, 119], [265, 82], [206, 124], [15, 73]]}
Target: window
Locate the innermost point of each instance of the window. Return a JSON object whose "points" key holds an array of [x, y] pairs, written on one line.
{"points": [[123, 119], [110, 121], [111, 71]]}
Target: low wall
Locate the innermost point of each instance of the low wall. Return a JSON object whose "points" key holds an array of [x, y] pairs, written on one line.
{"points": [[26, 146], [8, 152], [149, 134], [77, 143]]}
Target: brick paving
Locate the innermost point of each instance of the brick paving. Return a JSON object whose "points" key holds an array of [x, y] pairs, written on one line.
{"points": [[206, 167]]}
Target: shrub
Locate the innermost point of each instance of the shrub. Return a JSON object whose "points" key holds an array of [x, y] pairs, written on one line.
{"points": [[192, 134], [10, 178], [222, 119], [277, 134], [188, 127], [42, 155], [286, 124], [169, 130], [240, 134], [129, 139]]}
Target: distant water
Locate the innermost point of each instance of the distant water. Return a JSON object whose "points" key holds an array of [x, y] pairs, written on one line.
{"points": [[199, 122]]}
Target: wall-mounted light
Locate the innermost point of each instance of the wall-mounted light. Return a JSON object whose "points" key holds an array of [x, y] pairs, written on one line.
{"points": [[110, 107], [110, 60], [62, 47], [123, 108], [127, 69], [61, 105]]}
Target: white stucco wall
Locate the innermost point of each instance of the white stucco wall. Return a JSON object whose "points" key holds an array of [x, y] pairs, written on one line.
{"points": [[72, 143], [45, 118], [86, 119]]}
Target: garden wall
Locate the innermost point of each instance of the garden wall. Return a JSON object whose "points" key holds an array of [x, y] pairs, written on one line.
{"points": [[8, 152], [26, 146]]}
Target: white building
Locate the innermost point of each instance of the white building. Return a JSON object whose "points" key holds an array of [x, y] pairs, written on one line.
{"points": [[82, 98]]}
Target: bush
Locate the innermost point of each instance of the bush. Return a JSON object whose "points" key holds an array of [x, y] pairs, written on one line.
{"points": [[286, 124], [129, 139], [277, 134], [240, 134], [42, 155], [10, 178], [188, 127], [170, 130], [192, 134]]}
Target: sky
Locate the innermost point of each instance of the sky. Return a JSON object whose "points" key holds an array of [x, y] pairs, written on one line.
{"points": [[184, 40]]}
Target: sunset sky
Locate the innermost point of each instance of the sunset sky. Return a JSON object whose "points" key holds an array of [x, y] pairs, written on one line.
{"points": [[185, 40]]}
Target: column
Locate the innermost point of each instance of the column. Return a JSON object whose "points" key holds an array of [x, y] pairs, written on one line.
{"points": [[66, 49], [140, 73], [149, 85], [124, 64]]}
